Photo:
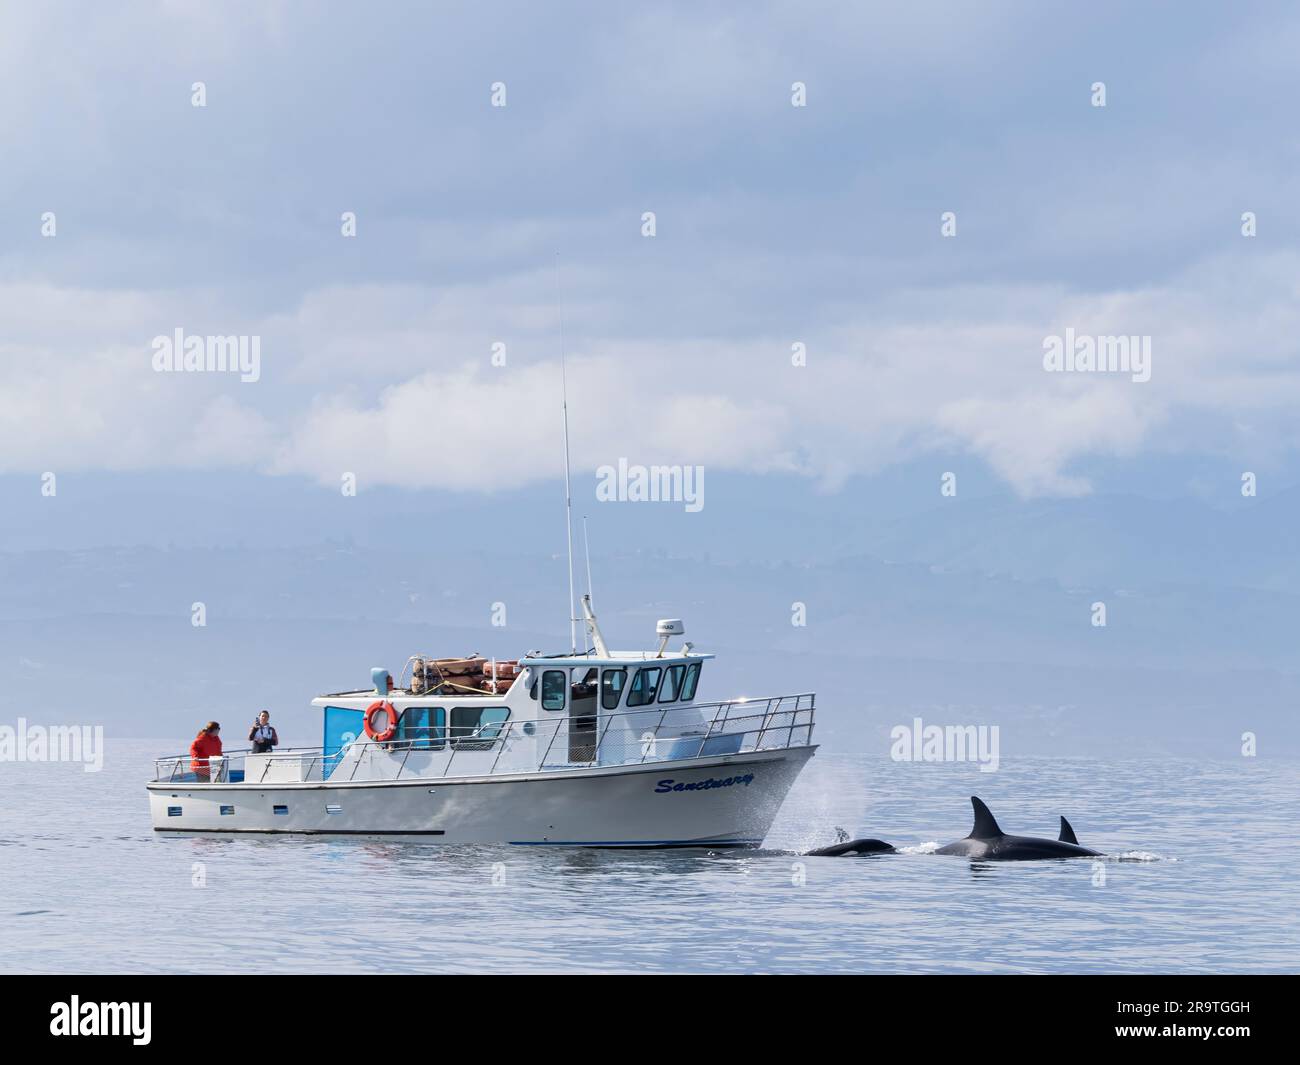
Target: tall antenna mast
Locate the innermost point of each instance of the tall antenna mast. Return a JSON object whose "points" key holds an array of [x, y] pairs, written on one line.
{"points": [[586, 550], [568, 494]]}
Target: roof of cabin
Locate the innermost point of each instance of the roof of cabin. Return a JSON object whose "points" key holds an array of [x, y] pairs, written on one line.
{"points": [[616, 658]]}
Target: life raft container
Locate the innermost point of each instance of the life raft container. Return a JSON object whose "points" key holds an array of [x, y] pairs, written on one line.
{"points": [[369, 720], [458, 667]]}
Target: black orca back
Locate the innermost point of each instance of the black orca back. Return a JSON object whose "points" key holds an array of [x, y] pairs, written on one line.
{"points": [[987, 842], [853, 848]]}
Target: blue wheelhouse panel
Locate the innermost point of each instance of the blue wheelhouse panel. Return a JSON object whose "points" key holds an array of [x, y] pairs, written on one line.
{"points": [[342, 726]]}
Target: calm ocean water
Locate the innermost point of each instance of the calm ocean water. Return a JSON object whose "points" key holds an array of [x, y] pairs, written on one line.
{"points": [[1206, 881]]}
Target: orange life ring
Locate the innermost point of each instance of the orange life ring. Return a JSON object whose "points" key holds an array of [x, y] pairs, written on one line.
{"points": [[371, 711]]}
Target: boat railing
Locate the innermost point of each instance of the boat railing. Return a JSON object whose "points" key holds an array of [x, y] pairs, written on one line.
{"points": [[659, 733]]}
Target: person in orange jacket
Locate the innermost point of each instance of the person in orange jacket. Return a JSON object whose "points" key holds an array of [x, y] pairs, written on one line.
{"points": [[207, 744]]}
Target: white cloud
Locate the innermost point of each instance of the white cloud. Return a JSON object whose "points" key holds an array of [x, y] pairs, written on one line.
{"points": [[79, 390], [393, 384], [481, 428]]}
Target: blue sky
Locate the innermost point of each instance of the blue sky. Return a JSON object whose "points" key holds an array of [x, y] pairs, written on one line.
{"points": [[775, 225]]}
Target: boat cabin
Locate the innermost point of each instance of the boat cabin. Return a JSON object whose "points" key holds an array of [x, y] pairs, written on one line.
{"points": [[557, 710]]}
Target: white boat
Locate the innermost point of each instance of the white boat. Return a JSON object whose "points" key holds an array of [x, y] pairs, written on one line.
{"points": [[595, 749], [591, 749]]}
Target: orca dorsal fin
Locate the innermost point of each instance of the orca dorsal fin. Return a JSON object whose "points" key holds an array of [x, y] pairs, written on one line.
{"points": [[1067, 833], [985, 825]]}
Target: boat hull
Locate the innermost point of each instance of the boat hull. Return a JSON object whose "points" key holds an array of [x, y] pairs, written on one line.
{"points": [[717, 802]]}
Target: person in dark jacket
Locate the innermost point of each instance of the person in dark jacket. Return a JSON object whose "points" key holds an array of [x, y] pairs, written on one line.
{"points": [[263, 734]]}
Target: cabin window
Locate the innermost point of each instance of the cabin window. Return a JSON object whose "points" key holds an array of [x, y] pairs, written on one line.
{"points": [[470, 724], [227, 811], [554, 682], [644, 686], [280, 811], [422, 728], [612, 682], [672, 685], [173, 811], [585, 688], [692, 681]]}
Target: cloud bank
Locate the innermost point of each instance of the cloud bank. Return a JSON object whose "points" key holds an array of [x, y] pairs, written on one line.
{"points": [[776, 226]]}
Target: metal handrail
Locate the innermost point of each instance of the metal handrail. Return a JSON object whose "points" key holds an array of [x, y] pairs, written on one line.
{"points": [[504, 732], [788, 714]]}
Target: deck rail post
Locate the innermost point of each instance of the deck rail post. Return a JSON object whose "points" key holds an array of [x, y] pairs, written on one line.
{"points": [[501, 746], [762, 729]]}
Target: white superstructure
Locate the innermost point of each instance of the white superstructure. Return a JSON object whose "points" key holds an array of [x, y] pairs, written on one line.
{"points": [[602, 748]]}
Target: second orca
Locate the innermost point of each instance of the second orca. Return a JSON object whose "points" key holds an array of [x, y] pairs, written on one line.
{"points": [[988, 842]]}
